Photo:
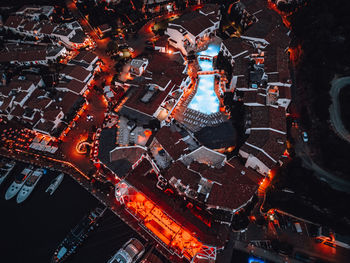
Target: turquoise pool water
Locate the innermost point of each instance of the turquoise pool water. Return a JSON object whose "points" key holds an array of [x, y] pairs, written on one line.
{"points": [[205, 99]]}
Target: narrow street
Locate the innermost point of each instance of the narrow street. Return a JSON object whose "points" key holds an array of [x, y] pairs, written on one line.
{"points": [[96, 108]]}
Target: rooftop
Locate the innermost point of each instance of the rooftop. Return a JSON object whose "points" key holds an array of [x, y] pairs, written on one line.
{"points": [[217, 137], [193, 22], [171, 141]]}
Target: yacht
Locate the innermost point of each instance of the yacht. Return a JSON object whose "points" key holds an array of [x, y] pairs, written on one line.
{"points": [[77, 235], [29, 185], [5, 170], [54, 184], [129, 253], [20, 179]]}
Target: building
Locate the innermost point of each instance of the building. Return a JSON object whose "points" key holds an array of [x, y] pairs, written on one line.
{"points": [[234, 48], [26, 55], [266, 126], [67, 35], [157, 91], [103, 29], [35, 12], [191, 29], [167, 146]]}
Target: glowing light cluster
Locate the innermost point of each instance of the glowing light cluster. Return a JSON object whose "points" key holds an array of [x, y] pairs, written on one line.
{"points": [[165, 228]]}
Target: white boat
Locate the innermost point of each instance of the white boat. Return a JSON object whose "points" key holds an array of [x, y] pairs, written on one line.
{"points": [[129, 253], [54, 184], [29, 185], [5, 170], [20, 179]]}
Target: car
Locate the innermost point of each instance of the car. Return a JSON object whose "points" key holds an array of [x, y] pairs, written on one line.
{"points": [[149, 48], [305, 137], [131, 49], [149, 42]]}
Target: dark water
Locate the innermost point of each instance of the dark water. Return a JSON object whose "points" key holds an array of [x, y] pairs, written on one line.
{"points": [[31, 231]]}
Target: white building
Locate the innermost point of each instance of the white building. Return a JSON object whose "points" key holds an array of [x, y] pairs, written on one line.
{"points": [[186, 32]]}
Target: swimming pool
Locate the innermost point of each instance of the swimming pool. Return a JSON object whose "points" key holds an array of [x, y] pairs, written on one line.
{"points": [[205, 99]]}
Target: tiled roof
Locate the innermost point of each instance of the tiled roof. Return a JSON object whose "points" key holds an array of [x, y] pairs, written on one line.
{"points": [[217, 137], [20, 96], [22, 56], [29, 25], [193, 22], [205, 155], [253, 6], [179, 171], [45, 126], [104, 27], [236, 46], [17, 111], [37, 100], [20, 84], [86, 56], [51, 113], [276, 60], [268, 20], [47, 28], [76, 86], [171, 141], [13, 21], [132, 154], [161, 75], [4, 103], [63, 31], [268, 117], [268, 143], [241, 66], [76, 72], [233, 188], [284, 92]]}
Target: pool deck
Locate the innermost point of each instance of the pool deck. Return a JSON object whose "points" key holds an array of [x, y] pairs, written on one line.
{"points": [[195, 120]]}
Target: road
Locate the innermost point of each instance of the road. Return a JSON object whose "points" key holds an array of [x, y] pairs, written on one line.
{"points": [[302, 150], [334, 109], [101, 43]]}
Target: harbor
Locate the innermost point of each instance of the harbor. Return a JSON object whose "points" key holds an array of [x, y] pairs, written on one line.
{"points": [[43, 221]]}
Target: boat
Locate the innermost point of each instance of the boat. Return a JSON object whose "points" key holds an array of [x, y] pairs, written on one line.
{"points": [[131, 251], [5, 170], [29, 185], [54, 184], [20, 179], [77, 235]]}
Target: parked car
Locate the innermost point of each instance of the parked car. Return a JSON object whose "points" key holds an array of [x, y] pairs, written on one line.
{"points": [[305, 137]]}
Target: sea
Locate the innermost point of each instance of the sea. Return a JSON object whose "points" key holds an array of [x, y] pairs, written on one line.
{"points": [[32, 230]]}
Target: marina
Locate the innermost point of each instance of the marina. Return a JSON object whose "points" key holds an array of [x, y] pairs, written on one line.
{"points": [[51, 218]]}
